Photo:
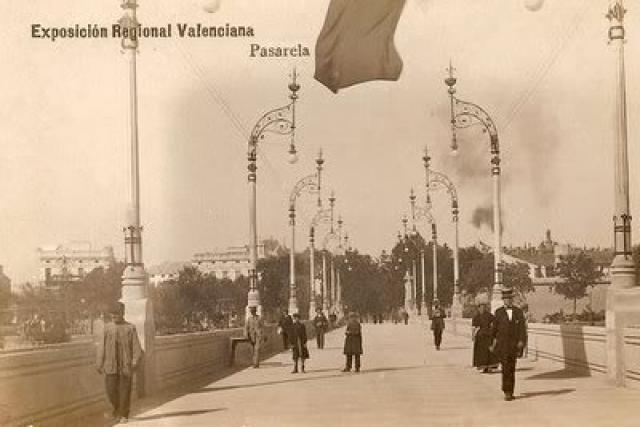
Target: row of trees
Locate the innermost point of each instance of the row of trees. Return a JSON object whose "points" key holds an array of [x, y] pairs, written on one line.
{"points": [[369, 285]]}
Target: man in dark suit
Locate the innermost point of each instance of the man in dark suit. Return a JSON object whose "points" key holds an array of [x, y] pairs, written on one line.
{"points": [[509, 336], [437, 323]]}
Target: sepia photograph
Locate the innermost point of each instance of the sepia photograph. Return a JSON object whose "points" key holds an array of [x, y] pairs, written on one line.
{"points": [[274, 213]]}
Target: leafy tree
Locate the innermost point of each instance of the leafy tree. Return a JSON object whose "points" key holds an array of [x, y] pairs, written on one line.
{"points": [[97, 291], [362, 283], [476, 271], [579, 272], [516, 275]]}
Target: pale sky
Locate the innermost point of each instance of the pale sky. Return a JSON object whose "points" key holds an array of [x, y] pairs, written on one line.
{"points": [[546, 78]]}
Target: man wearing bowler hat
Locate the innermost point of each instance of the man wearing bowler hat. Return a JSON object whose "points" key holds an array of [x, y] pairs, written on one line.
{"points": [[509, 336]]}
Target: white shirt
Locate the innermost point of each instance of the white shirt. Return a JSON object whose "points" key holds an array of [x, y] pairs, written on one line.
{"points": [[510, 313]]}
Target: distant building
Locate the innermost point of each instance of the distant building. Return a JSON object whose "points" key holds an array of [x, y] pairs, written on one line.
{"points": [[544, 259], [68, 263], [165, 272], [229, 263]]}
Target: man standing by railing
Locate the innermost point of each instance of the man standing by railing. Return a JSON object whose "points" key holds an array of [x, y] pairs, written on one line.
{"points": [[253, 331], [117, 357]]}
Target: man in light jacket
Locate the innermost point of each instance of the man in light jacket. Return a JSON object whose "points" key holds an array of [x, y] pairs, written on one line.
{"points": [[117, 357], [253, 331]]}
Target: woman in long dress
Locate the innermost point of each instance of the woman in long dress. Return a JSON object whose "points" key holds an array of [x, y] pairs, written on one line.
{"points": [[483, 358]]}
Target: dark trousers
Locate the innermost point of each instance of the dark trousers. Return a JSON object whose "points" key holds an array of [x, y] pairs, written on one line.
{"points": [[285, 341], [350, 361], [119, 393], [508, 373], [320, 339], [437, 337]]}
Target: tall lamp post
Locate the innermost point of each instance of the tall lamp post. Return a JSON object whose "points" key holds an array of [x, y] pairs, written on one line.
{"points": [[623, 298], [322, 216], [312, 184], [409, 254], [463, 115], [424, 212], [435, 181], [281, 121], [134, 278]]}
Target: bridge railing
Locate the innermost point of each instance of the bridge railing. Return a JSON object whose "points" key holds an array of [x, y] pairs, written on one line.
{"points": [[577, 348], [58, 384]]}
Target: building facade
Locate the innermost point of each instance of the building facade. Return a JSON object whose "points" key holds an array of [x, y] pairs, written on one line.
{"points": [[71, 262], [165, 272], [230, 263]]}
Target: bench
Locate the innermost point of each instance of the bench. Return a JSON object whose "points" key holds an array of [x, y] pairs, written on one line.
{"points": [[234, 342]]}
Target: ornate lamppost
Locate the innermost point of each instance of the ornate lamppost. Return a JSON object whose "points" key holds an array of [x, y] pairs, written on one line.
{"points": [[312, 184], [139, 310], [410, 300], [463, 115], [435, 181], [424, 213], [281, 121], [322, 216], [623, 298]]}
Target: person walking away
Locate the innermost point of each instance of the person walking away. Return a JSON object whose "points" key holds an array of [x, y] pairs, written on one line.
{"points": [[298, 340], [253, 331], [509, 336], [482, 336], [437, 323], [284, 327], [352, 342], [321, 324], [117, 357], [405, 316]]}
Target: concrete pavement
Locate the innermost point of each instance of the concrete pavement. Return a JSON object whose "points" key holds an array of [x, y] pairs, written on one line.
{"points": [[404, 382]]}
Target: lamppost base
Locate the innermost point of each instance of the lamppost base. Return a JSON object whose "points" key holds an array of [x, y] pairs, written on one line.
{"points": [[623, 310], [293, 306], [312, 309], [253, 300], [496, 299], [139, 312]]}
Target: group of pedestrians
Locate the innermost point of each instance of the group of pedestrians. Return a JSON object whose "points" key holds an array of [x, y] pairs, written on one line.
{"points": [[500, 339], [294, 336]]}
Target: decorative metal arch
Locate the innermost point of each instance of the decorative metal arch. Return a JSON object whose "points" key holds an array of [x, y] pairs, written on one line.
{"points": [[308, 183]]}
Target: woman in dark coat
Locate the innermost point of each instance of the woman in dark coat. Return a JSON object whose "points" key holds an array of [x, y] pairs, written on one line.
{"points": [[482, 323], [353, 342], [298, 341]]}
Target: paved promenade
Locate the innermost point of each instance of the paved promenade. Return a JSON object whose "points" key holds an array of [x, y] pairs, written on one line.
{"points": [[404, 382]]}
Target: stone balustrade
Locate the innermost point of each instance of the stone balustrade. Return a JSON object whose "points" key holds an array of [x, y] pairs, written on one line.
{"points": [[58, 384], [577, 348]]}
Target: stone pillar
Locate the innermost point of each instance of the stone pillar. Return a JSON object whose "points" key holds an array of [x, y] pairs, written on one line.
{"points": [[623, 297]]}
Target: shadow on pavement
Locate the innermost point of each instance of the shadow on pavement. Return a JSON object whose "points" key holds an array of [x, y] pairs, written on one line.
{"points": [[178, 414], [558, 375], [546, 393], [303, 377], [274, 364]]}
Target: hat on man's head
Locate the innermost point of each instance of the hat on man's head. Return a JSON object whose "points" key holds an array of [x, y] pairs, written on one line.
{"points": [[117, 308], [507, 293], [296, 315]]}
